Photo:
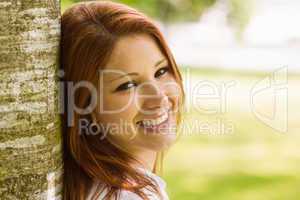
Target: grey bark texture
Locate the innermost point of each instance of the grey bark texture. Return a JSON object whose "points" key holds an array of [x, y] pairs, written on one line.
{"points": [[30, 136]]}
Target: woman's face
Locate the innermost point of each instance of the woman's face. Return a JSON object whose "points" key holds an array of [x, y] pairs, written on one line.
{"points": [[138, 96]]}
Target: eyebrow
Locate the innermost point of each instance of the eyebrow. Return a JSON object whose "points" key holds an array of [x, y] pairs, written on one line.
{"points": [[135, 73]]}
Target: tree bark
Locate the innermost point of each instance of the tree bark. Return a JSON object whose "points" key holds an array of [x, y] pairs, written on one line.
{"points": [[30, 136]]}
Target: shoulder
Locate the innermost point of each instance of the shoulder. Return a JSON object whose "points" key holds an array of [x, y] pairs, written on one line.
{"points": [[125, 194], [128, 195]]}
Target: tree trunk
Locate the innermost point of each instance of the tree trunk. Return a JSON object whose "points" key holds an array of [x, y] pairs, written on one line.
{"points": [[30, 136]]}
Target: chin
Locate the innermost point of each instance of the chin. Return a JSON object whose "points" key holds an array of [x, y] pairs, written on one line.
{"points": [[159, 142]]}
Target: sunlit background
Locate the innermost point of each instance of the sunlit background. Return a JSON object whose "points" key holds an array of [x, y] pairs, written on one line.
{"points": [[240, 60]]}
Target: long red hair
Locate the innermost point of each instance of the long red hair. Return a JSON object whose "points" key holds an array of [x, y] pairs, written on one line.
{"points": [[89, 33]]}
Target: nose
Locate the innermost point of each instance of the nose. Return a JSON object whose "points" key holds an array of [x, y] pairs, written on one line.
{"points": [[154, 99]]}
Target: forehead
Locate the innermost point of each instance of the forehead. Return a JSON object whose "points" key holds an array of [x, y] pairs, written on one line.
{"points": [[134, 53]]}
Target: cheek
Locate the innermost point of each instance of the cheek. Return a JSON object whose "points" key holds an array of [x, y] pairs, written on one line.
{"points": [[172, 89], [117, 108], [116, 103]]}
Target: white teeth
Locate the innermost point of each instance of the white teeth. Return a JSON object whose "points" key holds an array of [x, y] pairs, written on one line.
{"points": [[155, 122]]}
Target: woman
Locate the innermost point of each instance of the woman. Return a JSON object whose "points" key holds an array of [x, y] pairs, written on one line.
{"points": [[123, 100]]}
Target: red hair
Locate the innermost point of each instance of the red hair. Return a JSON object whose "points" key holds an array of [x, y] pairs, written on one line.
{"points": [[89, 32]]}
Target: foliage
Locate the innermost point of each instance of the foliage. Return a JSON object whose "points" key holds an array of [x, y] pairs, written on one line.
{"points": [[240, 13], [169, 10]]}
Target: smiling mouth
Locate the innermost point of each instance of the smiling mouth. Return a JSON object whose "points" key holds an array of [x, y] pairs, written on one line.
{"points": [[154, 122]]}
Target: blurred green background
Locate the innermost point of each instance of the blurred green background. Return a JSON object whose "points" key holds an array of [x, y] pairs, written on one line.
{"points": [[235, 154]]}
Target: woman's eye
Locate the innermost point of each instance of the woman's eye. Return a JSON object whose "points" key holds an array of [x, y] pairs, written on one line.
{"points": [[161, 71], [126, 86]]}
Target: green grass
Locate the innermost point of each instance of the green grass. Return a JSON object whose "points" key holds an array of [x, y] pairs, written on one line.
{"points": [[254, 162], [234, 186]]}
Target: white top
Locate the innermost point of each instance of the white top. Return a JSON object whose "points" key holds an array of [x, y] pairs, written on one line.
{"points": [[128, 195]]}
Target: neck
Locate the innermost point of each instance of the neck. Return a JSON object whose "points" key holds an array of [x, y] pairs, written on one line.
{"points": [[146, 159]]}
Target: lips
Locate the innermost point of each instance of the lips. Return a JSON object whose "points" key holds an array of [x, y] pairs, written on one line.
{"points": [[154, 117], [163, 127], [155, 122]]}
